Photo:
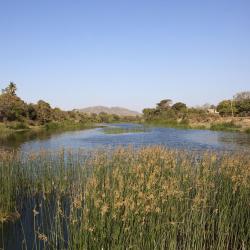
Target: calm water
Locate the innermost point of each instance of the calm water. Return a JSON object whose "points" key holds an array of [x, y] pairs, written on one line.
{"points": [[132, 134], [108, 137]]}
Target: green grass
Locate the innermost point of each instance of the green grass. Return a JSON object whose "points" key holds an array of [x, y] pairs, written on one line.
{"points": [[200, 127], [67, 125], [225, 126], [15, 128], [150, 198], [4, 129], [169, 124], [17, 125], [119, 130]]}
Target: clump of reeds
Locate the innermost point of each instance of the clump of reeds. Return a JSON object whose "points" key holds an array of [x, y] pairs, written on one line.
{"points": [[152, 198], [225, 126]]}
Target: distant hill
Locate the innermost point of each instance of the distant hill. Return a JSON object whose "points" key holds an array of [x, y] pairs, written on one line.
{"points": [[109, 110]]}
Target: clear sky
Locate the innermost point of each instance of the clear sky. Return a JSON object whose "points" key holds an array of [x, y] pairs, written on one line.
{"points": [[131, 53]]}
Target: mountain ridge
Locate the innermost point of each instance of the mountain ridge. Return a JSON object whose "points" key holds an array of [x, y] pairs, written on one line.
{"points": [[109, 110]]}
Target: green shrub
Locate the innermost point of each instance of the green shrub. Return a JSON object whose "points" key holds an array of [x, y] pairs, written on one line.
{"points": [[17, 125], [52, 125]]}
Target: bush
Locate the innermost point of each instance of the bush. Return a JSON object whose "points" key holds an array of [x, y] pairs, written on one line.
{"points": [[51, 125], [17, 125]]}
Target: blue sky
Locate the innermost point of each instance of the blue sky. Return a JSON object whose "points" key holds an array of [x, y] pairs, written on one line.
{"points": [[129, 53]]}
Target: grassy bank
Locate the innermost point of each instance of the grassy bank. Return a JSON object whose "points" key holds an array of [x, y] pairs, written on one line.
{"points": [[225, 126], [11, 128], [119, 130], [68, 125], [220, 125], [4, 130], [169, 124], [151, 198]]}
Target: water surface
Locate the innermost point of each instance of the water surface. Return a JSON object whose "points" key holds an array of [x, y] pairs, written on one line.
{"points": [[135, 135]]}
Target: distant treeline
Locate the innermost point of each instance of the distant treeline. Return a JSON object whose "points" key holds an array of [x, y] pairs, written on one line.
{"points": [[166, 111], [238, 106], [13, 108]]}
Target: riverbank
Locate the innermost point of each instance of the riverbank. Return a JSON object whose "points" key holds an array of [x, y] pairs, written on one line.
{"points": [[236, 124], [150, 198], [12, 128]]}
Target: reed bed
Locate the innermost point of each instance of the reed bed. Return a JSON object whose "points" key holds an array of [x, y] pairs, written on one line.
{"points": [[150, 198]]}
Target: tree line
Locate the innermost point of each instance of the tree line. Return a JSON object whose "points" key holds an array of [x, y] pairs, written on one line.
{"points": [[168, 111], [13, 108], [238, 106]]}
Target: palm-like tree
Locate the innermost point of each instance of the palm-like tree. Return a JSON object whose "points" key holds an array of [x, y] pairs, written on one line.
{"points": [[11, 89]]}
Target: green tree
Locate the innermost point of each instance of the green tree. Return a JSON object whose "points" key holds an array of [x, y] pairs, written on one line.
{"points": [[32, 113], [242, 103], [106, 118], [148, 114], [12, 107], [44, 112], [179, 107], [243, 107], [58, 114], [164, 104], [116, 118], [226, 108]]}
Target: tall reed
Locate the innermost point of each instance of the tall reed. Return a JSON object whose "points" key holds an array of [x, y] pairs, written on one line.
{"points": [[151, 198]]}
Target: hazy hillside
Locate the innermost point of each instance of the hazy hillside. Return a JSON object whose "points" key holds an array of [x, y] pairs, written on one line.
{"points": [[111, 110]]}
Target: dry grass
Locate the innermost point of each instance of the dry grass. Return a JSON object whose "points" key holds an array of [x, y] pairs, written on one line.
{"points": [[150, 198], [241, 124]]}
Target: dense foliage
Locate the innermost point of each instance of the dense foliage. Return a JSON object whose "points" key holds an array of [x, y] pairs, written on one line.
{"points": [[238, 106], [13, 108], [178, 113]]}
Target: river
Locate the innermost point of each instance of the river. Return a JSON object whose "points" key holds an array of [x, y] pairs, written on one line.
{"points": [[136, 135]]}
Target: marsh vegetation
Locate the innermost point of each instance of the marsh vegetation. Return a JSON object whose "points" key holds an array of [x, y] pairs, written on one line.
{"points": [[150, 198], [125, 130]]}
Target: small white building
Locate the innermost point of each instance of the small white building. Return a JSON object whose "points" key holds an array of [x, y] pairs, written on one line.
{"points": [[212, 111]]}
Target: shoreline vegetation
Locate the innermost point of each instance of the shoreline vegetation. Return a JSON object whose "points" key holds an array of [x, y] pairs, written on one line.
{"points": [[241, 125], [151, 198], [17, 116], [228, 115]]}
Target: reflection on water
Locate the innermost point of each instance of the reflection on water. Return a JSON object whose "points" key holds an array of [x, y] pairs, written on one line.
{"points": [[26, 229], [15, 140], [130, 134]]}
